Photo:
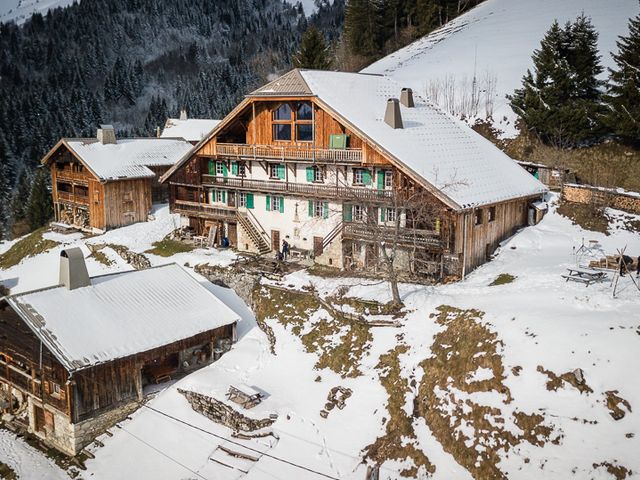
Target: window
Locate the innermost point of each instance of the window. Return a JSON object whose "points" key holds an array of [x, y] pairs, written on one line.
{"points": [[276, 170], [242, 170], [315, 175], [391, 215], [478, 217], [220, 168], [245, 200], [218, 196], [55, 389], [318, 209], [357, 176], [358, 213], [275, 203], [492, 214], [388, 179], [287, 121]]}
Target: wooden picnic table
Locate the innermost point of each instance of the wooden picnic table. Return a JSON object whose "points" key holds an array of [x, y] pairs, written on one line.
{"points": [[584, 275], [244, 395]]}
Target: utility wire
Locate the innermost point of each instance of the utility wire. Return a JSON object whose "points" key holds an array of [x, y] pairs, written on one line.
{"points": [[273, 457]]}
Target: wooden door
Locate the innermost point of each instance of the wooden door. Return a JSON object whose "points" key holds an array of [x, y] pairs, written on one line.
{"points": [[231, 199], [39, 418], [317, 246], [275, 240], [233, 234]]}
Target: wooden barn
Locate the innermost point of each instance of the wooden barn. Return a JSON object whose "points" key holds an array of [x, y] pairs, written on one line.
{"points": [[103, 182], [331, 163], [75, 358]]}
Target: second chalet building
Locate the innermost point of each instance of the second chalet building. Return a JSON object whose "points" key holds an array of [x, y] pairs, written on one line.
{"points": [[332, 162]]}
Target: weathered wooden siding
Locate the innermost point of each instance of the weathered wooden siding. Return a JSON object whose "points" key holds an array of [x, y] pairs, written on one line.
{"points": [[127, 202]]}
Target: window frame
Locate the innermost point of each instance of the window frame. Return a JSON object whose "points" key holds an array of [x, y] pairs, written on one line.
{"points": [[293, 122], [358, 176], [388, 179], [219, 169], [358, 213], [478, 217], [388, 215], [218, 196], [492, 214], [242, 199], [318, 174], [275, 203]]}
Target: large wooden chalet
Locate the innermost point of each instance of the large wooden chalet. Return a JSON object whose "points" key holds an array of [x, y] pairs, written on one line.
{"points": [[103, 182], [75, 357], [328, 160]]}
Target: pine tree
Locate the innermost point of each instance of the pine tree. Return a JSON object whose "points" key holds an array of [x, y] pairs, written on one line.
{"points": [[561, 100], [39, 208], [362, 27], [623, 97], [313, 52], [21, 197]]}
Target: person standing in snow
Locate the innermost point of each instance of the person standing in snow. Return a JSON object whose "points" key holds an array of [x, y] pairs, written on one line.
{"points": [[285, 249]]}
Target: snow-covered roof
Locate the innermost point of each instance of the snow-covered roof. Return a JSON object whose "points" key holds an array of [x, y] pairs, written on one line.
{"points": [[192, 129], [121, 314], [464, 166], [128, 157]]}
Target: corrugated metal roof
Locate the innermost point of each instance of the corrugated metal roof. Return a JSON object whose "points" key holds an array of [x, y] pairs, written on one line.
{"points": [[121, 314], [291, 83], [129, 157]]}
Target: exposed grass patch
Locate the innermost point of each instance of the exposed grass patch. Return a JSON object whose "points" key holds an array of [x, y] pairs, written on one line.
{"points": [[618, 471], [503, 279], [614, 402], [168, 248], [136, 260], [99, 256], [7, 473], [586, 216], [364, 307], [31, 245], [445, 402], [339, 342], [396, 444], [558, 381]]}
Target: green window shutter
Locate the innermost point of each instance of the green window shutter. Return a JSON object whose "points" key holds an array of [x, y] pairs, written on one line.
{"points": [[366, 177], [381, 174], [234, 168], [212, 167], [249, 200], [382, 212], [268, 202], [224, 196], [225, 170], [325, 210], [281, 174], [347, 212], [281, 204], [310, 208], [438, 225], [310, 174]]}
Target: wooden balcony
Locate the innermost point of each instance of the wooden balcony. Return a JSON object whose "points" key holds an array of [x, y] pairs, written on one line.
{"points": [[19, 378], [347, 156], [406, 237], [77, 178], [311, 190], [69, 197], [187, 208]]}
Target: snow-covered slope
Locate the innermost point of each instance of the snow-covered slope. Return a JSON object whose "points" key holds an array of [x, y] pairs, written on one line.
{"points": [[496, 40], [20, 10]]}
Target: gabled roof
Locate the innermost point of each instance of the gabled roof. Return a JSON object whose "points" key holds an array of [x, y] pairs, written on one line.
{"points": [[127, 158], [289, 84], [458, 165], [192, 129], [121, 314]]}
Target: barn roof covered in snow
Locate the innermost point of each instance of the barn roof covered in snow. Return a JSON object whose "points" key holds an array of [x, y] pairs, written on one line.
{"points": [[458, 165], [121, 314], [127, 158], [191, 129]]}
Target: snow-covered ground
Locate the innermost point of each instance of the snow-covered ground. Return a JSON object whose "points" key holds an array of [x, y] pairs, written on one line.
{"points": [[495, 40], [540, 320], [20, 10]]}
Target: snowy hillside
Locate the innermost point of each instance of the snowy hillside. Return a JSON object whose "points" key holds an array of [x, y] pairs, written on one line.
{"points": [[496, 40], [20, 10], [475, 381]]}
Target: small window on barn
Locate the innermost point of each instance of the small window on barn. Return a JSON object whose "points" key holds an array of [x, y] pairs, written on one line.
{"points": [[478, 217], [492, 214]]}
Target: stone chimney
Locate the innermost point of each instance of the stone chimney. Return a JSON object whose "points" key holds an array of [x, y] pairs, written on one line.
{"points": [[106, 134], [406, 98], [183, 114], [392, 116], [73, 270]]}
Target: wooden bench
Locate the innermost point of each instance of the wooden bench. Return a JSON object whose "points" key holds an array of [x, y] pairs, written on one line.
{"points": [[161, 373]]}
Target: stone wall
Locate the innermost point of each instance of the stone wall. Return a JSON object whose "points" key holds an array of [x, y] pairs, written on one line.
{"points": [[627, 201], [222, 413]]}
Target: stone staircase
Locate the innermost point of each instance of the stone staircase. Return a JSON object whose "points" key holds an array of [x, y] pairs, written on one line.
{"points": [[253, 233]]}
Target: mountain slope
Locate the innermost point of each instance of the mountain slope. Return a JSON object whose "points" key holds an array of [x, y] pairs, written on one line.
{"points": [[20, 10], [496, 40]]}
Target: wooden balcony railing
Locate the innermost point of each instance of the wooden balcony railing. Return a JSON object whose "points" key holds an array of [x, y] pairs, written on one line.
{"points": [[78, 178], [71, 198], [19, 379], [405, 237], [290, 152], [187, 207], [313, 190]]}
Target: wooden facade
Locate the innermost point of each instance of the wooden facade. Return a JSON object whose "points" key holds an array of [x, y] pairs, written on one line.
{"points": [[38, 382]]}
